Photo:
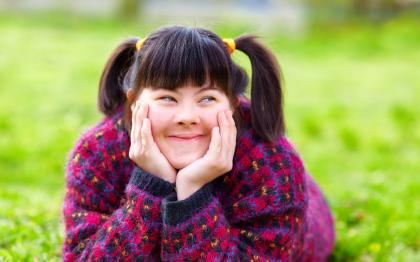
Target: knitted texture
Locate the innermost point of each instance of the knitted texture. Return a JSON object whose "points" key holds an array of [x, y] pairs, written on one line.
{"points": [[267, 208]]}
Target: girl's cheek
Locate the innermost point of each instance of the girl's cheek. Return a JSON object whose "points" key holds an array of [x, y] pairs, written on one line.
{"points": [[155, 115], [210, 118], [155, 111]]}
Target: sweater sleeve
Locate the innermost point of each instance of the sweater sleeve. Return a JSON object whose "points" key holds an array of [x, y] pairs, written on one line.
{"points": [[264, 223], [103, 222]]}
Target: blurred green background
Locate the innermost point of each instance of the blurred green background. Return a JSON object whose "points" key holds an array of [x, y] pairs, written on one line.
{"points": [[352, 89]]}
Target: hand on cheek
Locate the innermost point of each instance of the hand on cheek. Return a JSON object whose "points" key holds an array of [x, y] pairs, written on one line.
{"points": [[143, 149], [217, 161]]}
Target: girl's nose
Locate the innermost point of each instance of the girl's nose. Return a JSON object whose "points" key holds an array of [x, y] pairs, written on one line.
{"points": [[187, 115]]}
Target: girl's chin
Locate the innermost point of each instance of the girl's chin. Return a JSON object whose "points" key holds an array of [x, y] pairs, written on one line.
{"points": [[181, 162]]}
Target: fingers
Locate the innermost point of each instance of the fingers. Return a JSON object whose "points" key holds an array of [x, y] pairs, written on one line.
{"points": [[215, 142], [227, 133], [140, 112], [232, 133], [146, 134], [224, 129], [134, 108]]}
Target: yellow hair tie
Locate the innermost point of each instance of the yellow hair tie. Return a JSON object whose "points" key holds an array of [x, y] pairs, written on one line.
{"points": [[230, 43], [139, 44]]}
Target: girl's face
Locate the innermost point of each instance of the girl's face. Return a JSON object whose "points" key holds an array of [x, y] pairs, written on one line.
{"points": [[182, 120]]}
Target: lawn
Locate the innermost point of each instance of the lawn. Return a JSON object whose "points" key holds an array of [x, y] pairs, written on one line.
{"points": [[352, 94]]}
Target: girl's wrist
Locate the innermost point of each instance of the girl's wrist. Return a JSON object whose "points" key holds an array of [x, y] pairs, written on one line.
{"points": [[168, 174], [185, 188]]}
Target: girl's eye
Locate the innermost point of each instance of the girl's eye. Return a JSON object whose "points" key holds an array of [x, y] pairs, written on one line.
{"points": [[207, 99], [167, 99]]}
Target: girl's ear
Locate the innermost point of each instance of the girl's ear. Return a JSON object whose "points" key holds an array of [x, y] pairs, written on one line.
{"points": [[236, 102], [130, 93], [130, 97]]}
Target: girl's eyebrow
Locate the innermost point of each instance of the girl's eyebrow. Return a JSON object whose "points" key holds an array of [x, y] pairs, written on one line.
{"points": [[203, 89], [200, 89]]}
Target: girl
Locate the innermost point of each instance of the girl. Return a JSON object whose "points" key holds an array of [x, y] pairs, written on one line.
{"points": [[183, 167]]}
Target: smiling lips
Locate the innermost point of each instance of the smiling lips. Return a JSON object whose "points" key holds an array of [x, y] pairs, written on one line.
{"points": [[185, 137]]}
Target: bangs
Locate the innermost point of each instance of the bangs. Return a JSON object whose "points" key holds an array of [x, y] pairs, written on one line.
{"points": [[177, 56]]}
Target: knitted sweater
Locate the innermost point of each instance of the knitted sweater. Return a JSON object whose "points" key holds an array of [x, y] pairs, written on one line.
{"points": [[267, 208]]}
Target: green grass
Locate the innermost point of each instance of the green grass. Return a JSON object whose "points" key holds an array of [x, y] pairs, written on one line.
{"points": [[352, 95]]}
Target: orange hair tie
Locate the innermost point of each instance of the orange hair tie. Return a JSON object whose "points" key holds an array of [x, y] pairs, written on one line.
{"points": [[230, 43], [139, 44]]}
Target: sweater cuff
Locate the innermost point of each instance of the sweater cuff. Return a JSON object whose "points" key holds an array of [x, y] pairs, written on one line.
{"points": [[175, 212], [150, 183]]}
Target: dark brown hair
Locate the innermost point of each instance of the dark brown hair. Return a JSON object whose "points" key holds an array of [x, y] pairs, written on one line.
{"points": [[174, 56]]}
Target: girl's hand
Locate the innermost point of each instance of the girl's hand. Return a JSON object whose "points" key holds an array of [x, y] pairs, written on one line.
{"points": [[217, 161], [143, 150]]}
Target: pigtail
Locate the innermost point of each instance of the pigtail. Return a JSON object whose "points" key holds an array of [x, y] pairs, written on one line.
{"points": [[266, 92], [112, 93]]}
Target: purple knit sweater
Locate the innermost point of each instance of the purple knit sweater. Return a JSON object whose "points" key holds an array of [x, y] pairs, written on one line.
{"points": [[267, 208]]}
